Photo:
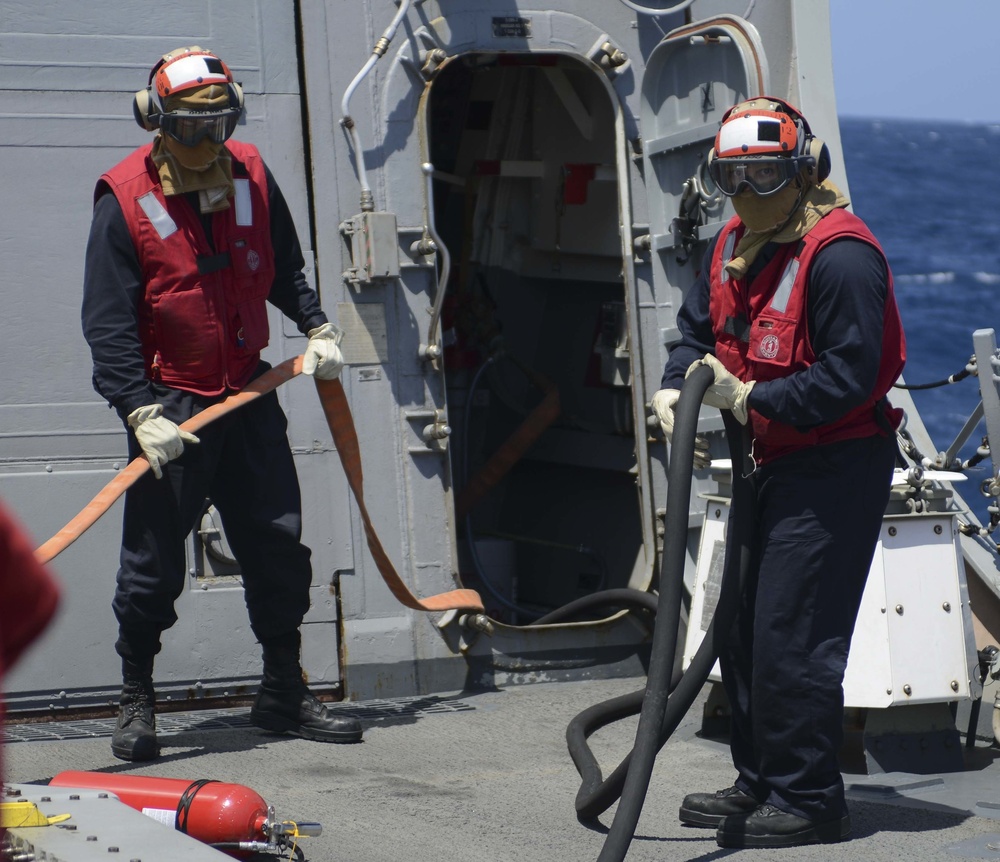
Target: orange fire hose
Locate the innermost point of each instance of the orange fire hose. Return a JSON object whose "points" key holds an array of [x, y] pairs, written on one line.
{"points": [[345, 439]]}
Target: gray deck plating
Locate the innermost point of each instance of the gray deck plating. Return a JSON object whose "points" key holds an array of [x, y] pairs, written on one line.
{"points": [[487, 776]]}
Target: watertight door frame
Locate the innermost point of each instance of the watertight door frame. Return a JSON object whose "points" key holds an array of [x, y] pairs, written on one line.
{"points": [[556, 32]]}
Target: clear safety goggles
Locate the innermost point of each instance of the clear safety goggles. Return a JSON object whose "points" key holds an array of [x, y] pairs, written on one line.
{"points": [[192, 127], [765, 176]]}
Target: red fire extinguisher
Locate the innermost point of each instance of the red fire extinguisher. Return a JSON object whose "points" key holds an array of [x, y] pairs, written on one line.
{"points": [[231, 817]]}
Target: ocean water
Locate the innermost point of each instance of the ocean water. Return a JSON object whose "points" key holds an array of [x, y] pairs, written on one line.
{"points": [[930, 192]]}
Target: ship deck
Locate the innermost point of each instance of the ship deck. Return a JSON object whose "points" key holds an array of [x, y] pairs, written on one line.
{"points": [[486, 776]]}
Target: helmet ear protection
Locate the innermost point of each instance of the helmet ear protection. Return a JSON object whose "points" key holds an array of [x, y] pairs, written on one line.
{"points": [[177, 71], [820, 153], [815, 151]]}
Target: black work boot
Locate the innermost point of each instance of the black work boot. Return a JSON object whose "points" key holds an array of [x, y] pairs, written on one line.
{"points": [[767, 826], [285, 705], [135, 733], [708, 809]]}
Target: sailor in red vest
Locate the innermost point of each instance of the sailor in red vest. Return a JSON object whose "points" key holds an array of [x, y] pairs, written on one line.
{"points": [[191, 238], [794, 312]]}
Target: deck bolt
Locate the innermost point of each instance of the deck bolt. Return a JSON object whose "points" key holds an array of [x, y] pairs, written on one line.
{"points": [[899, 609], [907, 689], [947, 607]]}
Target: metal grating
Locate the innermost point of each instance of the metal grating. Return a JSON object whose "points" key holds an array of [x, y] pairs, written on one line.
{"points": [[377, 712]]}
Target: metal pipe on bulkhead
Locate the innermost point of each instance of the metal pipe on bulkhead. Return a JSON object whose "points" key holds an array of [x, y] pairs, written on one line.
{"points": [[347, 121]]}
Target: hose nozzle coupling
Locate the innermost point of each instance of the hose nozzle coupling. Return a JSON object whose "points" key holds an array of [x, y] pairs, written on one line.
{"points": [[476, 622]]}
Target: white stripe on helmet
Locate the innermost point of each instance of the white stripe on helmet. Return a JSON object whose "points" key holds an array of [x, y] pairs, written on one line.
{"points": [[745, 130], [191, 69]]}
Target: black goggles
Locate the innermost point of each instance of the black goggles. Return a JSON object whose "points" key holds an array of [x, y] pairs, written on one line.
{"points": [[192, 127], [764, 176]]}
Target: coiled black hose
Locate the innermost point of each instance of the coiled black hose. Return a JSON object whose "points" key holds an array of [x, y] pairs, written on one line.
{"points": [[661, 705]]}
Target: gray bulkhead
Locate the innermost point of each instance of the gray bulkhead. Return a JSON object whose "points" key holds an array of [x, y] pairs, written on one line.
{"points": [[559, 264], [560, 140], [68, 75]]}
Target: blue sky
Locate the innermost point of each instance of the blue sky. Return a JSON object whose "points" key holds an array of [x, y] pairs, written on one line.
{"points": [[923, 59]]}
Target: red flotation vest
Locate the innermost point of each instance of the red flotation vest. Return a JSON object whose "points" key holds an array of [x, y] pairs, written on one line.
{"points": [[203, 318], [762, 333]]}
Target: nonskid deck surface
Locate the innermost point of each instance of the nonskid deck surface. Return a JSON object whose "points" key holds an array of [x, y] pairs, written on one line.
{"points": [[487, 776], [169, 724]]}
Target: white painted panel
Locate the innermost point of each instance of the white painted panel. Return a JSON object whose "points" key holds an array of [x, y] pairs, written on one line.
{"points": [[912, 625], [924, 610], [868, 680]]}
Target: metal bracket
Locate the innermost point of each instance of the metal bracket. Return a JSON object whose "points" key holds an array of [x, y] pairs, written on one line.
{"points": [[374, 247]]}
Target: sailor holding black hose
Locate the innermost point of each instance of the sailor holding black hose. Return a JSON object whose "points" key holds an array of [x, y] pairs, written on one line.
{"points": [[794, 313]]}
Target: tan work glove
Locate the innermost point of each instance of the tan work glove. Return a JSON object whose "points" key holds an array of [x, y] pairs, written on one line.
{"points": [[728, 392], [161, 440], [323, 358], [663, 408]]}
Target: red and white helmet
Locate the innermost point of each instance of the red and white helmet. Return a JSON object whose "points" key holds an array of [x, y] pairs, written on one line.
{"points": [[763, 144], [187, 69], [756, 132]]}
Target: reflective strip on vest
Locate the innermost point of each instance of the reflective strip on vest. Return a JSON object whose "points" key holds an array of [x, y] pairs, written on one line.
{"points": [[157, 215], [784, 291], [727, 254], [244, 204]]}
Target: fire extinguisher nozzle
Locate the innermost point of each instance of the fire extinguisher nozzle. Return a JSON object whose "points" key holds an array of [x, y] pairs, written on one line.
{"points": [[299, 829]]}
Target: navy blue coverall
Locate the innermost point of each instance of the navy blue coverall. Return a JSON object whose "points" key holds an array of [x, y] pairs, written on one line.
{"points": [[816, 524]]}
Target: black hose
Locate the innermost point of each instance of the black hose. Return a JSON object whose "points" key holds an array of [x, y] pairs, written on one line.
{"points": [[596, 795], [954, 378], [654, 704], [659, 716], [620, 598], [970, 734]]}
